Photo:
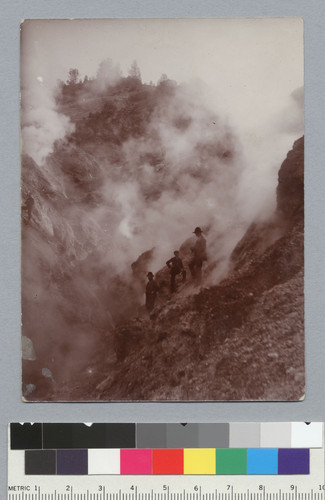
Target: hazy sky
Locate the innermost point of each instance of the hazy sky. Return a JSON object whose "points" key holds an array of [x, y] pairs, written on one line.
{"points": [[249, 70], [249, 67], [248, 63]]}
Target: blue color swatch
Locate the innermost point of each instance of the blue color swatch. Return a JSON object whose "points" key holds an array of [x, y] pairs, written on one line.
{"points": [[262, 461]]}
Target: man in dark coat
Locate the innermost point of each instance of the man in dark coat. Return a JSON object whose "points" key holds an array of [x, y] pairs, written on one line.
{"points": [[199, 255], [176, 267], [151, 292]]}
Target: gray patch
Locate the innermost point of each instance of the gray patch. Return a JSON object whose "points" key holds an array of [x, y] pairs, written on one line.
{"points": [[27, 348]]}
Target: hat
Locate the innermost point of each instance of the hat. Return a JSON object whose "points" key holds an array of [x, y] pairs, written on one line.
{"points": [[197, 230], [149, 274]]}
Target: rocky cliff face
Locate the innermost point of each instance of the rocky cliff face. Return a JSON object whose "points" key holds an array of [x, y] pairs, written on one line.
{"points": [[133, 169], [242, 339], [115, 198], [61, 316], [290, 190]]}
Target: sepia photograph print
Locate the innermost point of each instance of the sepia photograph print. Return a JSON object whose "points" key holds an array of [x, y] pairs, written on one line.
{"points": [[162, 191]]}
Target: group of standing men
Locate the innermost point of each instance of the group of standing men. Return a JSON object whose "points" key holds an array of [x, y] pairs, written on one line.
{"points": [[176, 268]]}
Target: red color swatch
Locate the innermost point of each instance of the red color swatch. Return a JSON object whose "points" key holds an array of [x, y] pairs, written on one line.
{"points": [[168, 461]]}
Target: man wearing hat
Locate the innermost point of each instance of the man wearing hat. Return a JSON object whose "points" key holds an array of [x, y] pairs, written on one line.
{"points": [[151, 292], [199, 255], [175, 265]]}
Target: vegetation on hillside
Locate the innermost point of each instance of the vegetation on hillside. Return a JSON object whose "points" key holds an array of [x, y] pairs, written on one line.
{"points": [[143, 166]]}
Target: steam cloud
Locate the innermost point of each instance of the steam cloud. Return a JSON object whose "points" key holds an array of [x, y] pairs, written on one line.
{"points": [[189, 169], [41, 124]]}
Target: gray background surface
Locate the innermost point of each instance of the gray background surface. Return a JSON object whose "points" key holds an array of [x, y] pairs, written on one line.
{"points": [[11, 407]]}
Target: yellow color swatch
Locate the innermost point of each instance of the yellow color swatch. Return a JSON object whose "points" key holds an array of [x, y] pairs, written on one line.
{"points": [[199, 461]]}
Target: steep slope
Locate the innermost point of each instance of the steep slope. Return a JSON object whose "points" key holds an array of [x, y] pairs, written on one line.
{"points": [[242, 339], [133, 171], [140, 167]]}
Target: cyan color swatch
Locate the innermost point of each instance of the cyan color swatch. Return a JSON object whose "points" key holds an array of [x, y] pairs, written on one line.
{"points": [[262, 461]]}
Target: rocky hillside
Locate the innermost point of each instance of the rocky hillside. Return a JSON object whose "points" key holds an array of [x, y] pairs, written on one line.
{"points": [[141, 166], [242, 339], [101, 198]]}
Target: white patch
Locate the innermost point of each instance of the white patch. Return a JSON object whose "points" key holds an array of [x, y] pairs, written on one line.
{"points": [[124, 228]]}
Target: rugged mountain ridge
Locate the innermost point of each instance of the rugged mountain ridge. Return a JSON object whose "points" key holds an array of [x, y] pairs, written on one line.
{"points": [[241, 339], [89, 208], [148, 159]]}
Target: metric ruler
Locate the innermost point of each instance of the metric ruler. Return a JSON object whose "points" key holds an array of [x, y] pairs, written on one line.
{"points": [[32, 449]]}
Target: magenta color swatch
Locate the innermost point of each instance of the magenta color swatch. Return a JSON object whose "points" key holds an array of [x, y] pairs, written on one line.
{"points": [[136, 461]]}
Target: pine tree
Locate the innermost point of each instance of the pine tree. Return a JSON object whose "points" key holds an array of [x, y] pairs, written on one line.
{"points": [[74, 76], [134, 71]]}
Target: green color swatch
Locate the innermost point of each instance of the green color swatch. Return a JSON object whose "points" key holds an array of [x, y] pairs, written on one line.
{"points": [[231, 461]]}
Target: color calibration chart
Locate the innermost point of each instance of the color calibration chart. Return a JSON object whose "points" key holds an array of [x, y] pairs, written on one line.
{"points": [[194, 461]]}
